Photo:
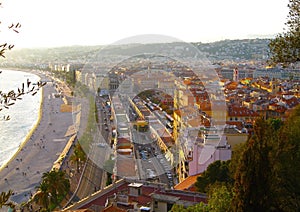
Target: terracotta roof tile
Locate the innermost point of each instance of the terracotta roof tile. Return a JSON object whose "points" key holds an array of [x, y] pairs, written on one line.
{"points": [[187, 183]]}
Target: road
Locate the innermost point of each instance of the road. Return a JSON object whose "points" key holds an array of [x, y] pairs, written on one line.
{"points": [[94, 177]]}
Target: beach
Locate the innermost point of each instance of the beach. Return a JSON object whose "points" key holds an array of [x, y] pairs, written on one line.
{"points": [[42, 147]]}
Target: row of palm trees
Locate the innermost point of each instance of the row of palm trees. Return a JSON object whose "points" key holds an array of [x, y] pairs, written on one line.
{"points": [[53, 187], [55, 184]]}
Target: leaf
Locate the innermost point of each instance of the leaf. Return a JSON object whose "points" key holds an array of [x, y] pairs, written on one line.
{"points": [[28, 83], [10, 47]]}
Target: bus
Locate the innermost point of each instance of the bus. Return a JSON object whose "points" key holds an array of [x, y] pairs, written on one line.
{"points": [[141, 125]]}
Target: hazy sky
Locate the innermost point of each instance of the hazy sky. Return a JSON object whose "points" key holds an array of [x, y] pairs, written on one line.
{"points": [[48, 23]]}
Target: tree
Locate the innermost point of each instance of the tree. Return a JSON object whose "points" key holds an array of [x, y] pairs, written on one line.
{"points": [[215, 172], [8, 99], [220, 198], [53, 188], [4, 199], [253, 175], [78, 156], [200, 207], [287, 169], [42, 197], [267, 176], [285, 48], [4, 47]]}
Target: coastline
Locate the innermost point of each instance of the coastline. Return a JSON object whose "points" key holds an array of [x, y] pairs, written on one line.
{"points": [[34, 127], [29, 134], [40, 148]]}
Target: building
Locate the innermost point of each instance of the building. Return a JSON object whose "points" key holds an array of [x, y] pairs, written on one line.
{"points": [[133, 195], [210, 147]]}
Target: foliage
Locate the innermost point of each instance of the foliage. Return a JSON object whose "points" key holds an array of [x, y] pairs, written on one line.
{"points": [[285, 48], [267, 177], [4, 47], [215, 172], [253, 175], [4, 199], [42, 197], [220, 198], [78, 156], [286, 170], [67, 76], [87, 137], [52, 189], [201, 207], [9, 99]]}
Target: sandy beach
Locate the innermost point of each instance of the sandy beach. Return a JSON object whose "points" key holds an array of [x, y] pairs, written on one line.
{"points": [[40, 150]]}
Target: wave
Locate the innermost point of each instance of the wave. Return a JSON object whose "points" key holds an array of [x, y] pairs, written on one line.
{"points": [[24, 114]]}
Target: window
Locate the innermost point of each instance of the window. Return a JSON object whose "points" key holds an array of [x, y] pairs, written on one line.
{"points": [[155, 204]]}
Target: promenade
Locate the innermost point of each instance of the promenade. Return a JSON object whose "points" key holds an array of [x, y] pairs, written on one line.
{"points": [[36, 156]]}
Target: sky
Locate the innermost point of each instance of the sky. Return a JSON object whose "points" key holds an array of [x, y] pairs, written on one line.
{"points": [[53, 23]]}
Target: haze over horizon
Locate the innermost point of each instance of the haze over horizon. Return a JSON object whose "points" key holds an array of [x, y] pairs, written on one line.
{"points": [[68, 23]]}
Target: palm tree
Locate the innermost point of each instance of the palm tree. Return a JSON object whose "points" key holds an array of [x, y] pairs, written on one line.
{"points": [[58, 184], [54, 186], [78, 156], [42, 197], [4, 199]]}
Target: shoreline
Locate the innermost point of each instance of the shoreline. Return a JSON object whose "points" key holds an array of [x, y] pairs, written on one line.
{"points": [[28, 135], [34, 127], [41, 147]]}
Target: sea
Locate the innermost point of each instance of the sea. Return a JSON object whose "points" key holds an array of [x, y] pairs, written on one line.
{"points": [[23, 114]]}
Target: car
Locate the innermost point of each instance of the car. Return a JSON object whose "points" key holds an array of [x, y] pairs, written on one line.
{"points": [[159, 156], [101, 145]]}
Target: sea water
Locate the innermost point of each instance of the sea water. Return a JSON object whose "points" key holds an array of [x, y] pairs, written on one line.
{"points": [[23, 114]]}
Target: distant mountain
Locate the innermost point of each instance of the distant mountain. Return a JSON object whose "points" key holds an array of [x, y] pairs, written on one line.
{"points": [[247, 49], [233, 50]]}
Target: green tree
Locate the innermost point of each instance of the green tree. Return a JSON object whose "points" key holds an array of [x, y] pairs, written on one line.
{"points": [[285, 48], [4, 199], [78, 156], [267, 176], [42, 197], [220, 198], [54, 186], [286, 170], [215, 172], [254, 175], [200, 207]]}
